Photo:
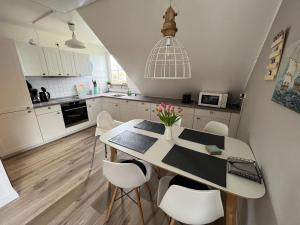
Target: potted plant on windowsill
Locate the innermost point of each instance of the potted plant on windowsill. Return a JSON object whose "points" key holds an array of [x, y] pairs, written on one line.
{"points": [[108, 84], [169, 116]]}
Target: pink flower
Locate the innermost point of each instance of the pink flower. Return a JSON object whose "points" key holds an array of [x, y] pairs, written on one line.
{"points": [[159, 109], [168, 107], [171, 108], [179, 110], [163, 105]]}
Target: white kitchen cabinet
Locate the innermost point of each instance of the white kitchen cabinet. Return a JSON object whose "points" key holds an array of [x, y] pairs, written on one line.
{"points": [[200, 121], [113, 107], [134, 110], [32, 59], [68, 64], [83, 64], [234, 124], [53, 61], [51, 123], [14, 94], [18, 131], [93, 108], [153, 113]]}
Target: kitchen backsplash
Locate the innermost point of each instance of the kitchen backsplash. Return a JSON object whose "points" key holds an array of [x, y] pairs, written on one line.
{"points": [[65, 86]]}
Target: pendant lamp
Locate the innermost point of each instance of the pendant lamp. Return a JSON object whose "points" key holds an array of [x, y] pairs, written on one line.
{"points": [[168, 59]]}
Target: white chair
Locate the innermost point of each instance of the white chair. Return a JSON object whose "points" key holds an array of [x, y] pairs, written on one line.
{"points": [[189, 206], [216, 128], [104, 123], [126, 176]]}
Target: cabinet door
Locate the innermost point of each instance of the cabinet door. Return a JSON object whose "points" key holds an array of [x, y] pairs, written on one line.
{"points": [[83, 64], [18, 131], [129, 110], [14, 94], [93, 108], [144, 110], [153, 115], [32, 60], [200, 122], [53, 61], [68, 64], [113, 107], [52, 125]]}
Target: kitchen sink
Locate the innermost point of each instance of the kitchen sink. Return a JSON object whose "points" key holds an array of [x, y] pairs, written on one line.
{"points": [[117, 95]]}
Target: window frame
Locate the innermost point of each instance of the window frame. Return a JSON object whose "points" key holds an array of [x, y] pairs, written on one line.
{"points": [[109, 65]]}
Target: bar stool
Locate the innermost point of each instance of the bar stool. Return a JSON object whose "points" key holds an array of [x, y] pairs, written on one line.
{"points": [[104, 123], [127, 175], [216, 128], [187, 205]]}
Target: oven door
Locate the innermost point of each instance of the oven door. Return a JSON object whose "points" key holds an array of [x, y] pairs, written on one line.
{"points": [[74, 113], [212, 100]]}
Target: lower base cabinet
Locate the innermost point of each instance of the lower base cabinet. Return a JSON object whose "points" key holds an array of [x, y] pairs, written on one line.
{"points": [[52, 125], [93, 108], [18, 131]]}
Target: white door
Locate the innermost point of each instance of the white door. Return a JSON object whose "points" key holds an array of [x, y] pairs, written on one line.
{"points": [[68, 64], [18, 131], [32, 60], [93, 108], [53, 61], [200, 122], [14, 94], [83, 64], [52, 125]]}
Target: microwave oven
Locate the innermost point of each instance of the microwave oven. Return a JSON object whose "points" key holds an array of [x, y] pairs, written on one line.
{"points": [[218, 100]]}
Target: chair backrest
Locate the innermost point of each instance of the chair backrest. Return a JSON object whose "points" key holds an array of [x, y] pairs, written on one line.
{"points": [[192, 207], [123, 175], [105, 121], [216, 128]]}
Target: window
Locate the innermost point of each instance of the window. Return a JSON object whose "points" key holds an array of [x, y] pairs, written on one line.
{"points": [[118, 75]]}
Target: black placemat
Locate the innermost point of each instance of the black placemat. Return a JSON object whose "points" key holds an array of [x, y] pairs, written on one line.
{"points": [[199, 164], [202, 138], [134, 141], [151, 126]]}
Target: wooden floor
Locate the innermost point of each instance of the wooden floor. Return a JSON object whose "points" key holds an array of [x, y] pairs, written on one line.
{"points": [[55, 188]]}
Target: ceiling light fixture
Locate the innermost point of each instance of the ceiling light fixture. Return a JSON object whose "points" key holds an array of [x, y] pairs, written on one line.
{"points": [[73, 42], [168, 59]]}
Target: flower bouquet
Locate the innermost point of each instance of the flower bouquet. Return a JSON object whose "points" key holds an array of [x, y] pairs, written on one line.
{"points": [[169, 116]]}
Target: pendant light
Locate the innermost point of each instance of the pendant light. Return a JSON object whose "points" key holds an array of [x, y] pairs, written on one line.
{"points": [[73, 42], [168, 59]]}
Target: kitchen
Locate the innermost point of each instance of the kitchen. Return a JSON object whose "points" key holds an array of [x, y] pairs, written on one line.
{"points": [[64, 64]]}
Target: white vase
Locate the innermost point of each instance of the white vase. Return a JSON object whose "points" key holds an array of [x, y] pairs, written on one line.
{"points": [[168, 133]]}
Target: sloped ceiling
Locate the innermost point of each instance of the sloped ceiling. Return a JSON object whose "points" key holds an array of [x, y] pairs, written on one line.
{"points": [[223, 39]]}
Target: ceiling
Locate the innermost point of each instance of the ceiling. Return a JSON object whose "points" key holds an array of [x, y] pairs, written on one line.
{"points": [[23, 12], [223, 39]]}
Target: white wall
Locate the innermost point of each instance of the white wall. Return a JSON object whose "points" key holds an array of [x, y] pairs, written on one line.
{"points": [[221, 37], [273, 133]]}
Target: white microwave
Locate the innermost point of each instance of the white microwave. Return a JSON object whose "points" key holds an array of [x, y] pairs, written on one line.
{"points": [[218, 100]]}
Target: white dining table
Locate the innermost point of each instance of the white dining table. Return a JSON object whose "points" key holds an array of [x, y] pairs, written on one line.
{"points": [[236, 186]]}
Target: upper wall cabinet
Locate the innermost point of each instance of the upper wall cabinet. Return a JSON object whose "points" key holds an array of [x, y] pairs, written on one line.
{"points": [[83, 64], [53, 60], [68, 64], [32, 60]]}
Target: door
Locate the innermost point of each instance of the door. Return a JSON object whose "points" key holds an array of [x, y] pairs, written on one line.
{"points": [[53, 61], [18, 131], [68, 64], [52, 125], [83, 64], [200, 122], [32, 60], [14, 94], [93, 108]]}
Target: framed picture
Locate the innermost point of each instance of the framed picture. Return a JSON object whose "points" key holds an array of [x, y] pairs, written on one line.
{"points": [[287, 88]]}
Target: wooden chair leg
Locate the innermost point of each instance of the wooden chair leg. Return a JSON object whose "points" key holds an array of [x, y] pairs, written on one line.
{"points": [[139, 204], [149, 190], [111, 205], [172, 221], [113, 154]]}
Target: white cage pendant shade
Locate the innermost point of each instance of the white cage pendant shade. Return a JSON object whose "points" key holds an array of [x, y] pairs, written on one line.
{"points": [[168, 60]]}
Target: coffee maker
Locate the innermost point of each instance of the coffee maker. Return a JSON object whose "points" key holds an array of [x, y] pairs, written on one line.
{"points": [[34, 94]]}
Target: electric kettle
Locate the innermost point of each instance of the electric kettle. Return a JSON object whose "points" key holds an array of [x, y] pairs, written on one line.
{"points": [[44, 95]]}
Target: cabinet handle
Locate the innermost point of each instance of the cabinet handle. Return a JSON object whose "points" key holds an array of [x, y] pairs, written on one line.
{"points": [[43, 74], [68, 74], [59, 74], [198, 118], [28, 107], [49, 107], [143, 103], [116, 105], [58, 112], [127, 101], [211, 112], [146, 110], [29, 111]]}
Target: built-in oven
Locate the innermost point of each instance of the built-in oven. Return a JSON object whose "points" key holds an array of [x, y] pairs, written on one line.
{"points": [[74, 113]]}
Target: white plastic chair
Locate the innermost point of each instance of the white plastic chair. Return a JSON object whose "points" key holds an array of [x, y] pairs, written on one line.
{"points": [[104, 123], [216, 128], [189, 206], [126, 176]]}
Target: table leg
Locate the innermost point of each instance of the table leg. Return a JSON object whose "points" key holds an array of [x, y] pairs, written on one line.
{"points": [[231, 204], [113, 154]]}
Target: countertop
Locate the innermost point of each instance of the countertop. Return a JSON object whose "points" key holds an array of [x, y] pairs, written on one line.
{"points": [[157, 100]]}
